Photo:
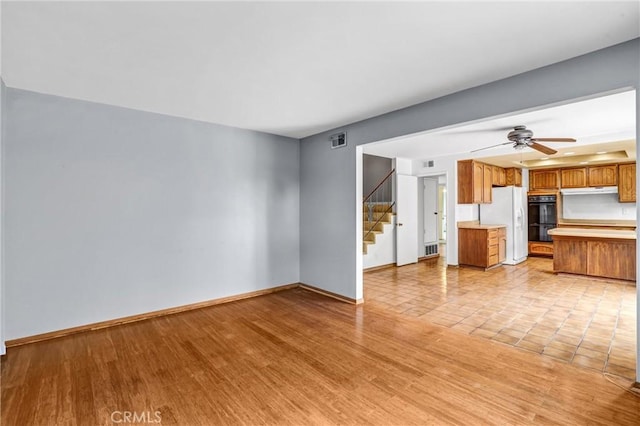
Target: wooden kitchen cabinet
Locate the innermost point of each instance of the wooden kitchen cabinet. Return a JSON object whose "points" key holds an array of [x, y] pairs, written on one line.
{"points": [[544, 179], [627, 183], [513, 176], [480, 247], [602, 175], [595, 256], [573, 178], [499, 176], [474, 182]]}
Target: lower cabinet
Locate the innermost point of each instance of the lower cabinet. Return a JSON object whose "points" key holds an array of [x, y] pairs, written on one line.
{"points": [[481, 247], [608, 258]]}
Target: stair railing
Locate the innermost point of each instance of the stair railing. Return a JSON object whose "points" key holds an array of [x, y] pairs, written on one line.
{"points": [[382, 195]]}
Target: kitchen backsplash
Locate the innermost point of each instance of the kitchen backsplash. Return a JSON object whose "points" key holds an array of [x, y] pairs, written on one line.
{"points": [[597, 206]]}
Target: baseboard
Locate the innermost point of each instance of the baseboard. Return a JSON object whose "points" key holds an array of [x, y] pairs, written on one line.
{"points": [[141, 317], [332, 295], [375, 268], [431, 256]]}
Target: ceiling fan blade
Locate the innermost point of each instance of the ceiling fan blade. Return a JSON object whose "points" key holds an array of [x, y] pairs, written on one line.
{"points": [[492, 146], [553, 140], [462, 131], [542, 148]]}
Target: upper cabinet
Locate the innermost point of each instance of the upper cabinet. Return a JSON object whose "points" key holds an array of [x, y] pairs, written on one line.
{"points": [[499, 177], [544, 179], [573, 178], [474, 182], [602, 175], [513, 176], [627, 183]]}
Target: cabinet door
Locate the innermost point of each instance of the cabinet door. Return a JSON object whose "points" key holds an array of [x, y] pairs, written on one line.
{"points": [[498, 176], [603, 175], [570, 256], [544, 179], [613, 259], [503, 176], [513, 176], [518, 174], [487, 172], [502, 245], [478, 179], [465, 182], [573, 178], [627, 183], [472, 247]]}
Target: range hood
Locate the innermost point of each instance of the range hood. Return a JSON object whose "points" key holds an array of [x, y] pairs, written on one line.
{"points": [[589, 191]]}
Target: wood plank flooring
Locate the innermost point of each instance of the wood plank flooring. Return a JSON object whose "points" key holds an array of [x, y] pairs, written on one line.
{"points": [[297, 357]]}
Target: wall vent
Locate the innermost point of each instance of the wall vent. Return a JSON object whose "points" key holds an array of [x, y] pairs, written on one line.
{"points": [[338, 140], [428, 163], [431, 249]]}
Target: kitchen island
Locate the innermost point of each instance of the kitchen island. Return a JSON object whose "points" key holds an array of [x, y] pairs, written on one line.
{"points": [[608, 253]]}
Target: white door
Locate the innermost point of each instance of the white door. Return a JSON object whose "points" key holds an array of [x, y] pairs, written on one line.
{"points": [[430, 210], [406, 220]]}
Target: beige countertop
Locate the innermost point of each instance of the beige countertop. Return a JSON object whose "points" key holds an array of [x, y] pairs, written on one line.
{"points": [[598, 223], [622, 234], [474, 224]]}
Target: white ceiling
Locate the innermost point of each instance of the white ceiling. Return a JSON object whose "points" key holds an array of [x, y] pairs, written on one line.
{"points": [[292, 68], [592, 122]]}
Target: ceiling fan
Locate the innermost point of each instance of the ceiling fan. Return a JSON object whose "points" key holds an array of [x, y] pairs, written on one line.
{"points": [[521, 137]]}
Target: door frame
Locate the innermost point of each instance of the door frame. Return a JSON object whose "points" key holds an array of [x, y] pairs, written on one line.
{"points": [[448, 201]]}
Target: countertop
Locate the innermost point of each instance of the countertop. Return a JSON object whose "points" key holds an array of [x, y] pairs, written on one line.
{"points": [[598, 223], [476, 225], [621, 234]]}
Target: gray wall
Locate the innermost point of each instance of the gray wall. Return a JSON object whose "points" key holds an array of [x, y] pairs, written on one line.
{"points": [[329, 238], [374, 169], [2, 299], [113, 212]]}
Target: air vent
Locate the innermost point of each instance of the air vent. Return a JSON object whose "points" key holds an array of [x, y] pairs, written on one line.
{"points": [[428, 163], [431, 249], [338, 140]]}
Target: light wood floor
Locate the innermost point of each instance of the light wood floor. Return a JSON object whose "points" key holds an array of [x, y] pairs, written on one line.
{"points": [[296, 358], [583, 321]]}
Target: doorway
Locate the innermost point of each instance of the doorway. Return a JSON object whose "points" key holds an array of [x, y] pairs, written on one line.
{"points": [[433, 199]]}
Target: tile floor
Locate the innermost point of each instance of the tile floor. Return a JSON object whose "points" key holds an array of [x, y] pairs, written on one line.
{"points": [[583, 321]]}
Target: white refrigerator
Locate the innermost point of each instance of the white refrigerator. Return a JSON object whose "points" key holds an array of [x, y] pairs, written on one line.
{"points": [[509, 207]]}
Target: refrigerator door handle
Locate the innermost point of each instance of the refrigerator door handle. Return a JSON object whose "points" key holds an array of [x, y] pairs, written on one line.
{"points": [[519, 218]]}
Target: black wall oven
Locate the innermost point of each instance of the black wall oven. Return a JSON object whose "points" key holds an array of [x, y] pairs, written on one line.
{"points": [[542, 217]]}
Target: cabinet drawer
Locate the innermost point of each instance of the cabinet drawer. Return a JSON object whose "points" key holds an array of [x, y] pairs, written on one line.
{"points": [[493, 250], [493, 260]]}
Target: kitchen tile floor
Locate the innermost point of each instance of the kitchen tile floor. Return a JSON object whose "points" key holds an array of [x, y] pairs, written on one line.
{"points": [[579, 320]]}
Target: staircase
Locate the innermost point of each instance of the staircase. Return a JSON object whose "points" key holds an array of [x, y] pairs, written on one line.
{"points": [[377, 210], [374, 217]]}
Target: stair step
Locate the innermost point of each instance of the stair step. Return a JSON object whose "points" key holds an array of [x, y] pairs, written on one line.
{"points": [[375, 227], [381, 207], [371, 236], [365, 246], [375, 216]]}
